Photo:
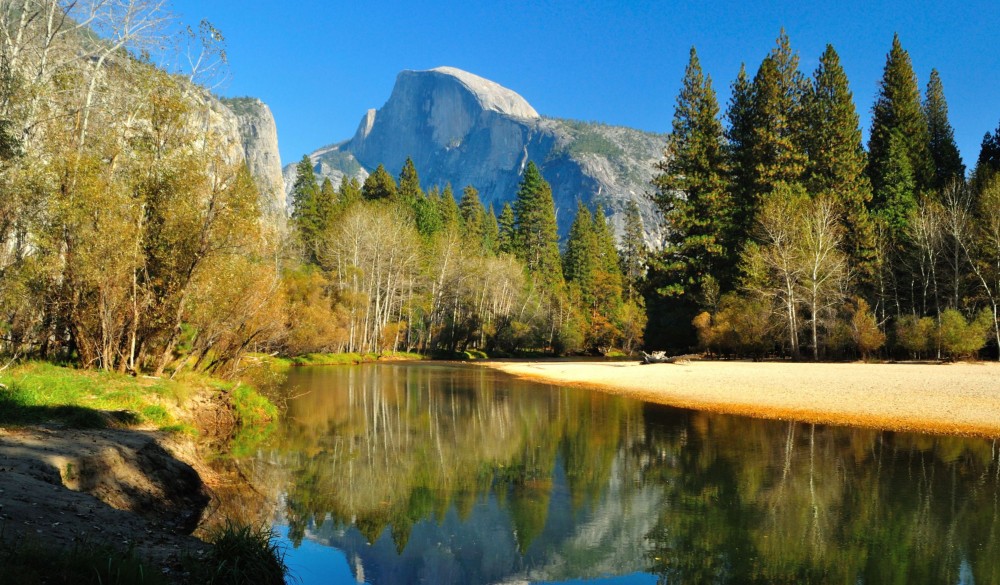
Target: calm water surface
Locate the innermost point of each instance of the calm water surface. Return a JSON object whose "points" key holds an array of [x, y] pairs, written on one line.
{"points": [[458, 475]]}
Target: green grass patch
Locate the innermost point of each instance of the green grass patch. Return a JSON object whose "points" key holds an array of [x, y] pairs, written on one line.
{"points": [[28, 563], [242, 554], [39, 392]]}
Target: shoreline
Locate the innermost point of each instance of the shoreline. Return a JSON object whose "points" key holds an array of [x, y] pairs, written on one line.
{"points": [[950, 399]]}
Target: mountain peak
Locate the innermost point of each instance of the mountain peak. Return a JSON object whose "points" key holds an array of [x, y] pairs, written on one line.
{"points": [[489, 94]]}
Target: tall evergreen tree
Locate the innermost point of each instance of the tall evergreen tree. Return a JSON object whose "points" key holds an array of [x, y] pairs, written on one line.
{"points": [[537, 239], [491, 231], [379, 185], [326, 205], [450, 213], [776, 149], [988, 162], [896, 200], [581, 250], [948, 165], [837, 160], [608, 275], [897, 109], [691, 189], [473, 214], [506, 231], [409, 182], [349, 191], [306, 208], [739, 142], [633, 250]]}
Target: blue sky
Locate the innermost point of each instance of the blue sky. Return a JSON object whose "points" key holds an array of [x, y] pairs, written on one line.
{"points": [[321, 65]]}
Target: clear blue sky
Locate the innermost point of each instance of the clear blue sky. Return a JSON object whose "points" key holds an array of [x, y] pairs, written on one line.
{"points": [[321, 64]]}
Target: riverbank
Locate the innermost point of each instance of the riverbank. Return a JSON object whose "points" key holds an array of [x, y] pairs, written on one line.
{"points": [[106, 469], [960, 399]]}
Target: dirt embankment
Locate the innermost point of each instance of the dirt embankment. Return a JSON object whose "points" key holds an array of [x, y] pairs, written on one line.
{"points": [[130, 488], [959, 398]]}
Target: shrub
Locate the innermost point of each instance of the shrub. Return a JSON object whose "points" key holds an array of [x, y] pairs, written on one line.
{"points": [[915, 335], [959, 338], [865, 330]]}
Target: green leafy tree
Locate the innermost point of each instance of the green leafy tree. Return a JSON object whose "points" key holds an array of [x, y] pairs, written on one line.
{"points": [[897, 110], [837, 160], [379, 186], [537, 240], [948, 165], [691, 190]]}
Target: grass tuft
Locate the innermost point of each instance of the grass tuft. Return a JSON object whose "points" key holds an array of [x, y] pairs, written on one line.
{"points": [[242, 554]]}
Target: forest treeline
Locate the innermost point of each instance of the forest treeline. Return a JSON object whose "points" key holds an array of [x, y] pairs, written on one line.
{"points": [[386, 265], [787, 237], [132, 236]]}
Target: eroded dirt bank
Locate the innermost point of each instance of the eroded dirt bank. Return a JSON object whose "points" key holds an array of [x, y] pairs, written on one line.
{"points": [[937, 398], [122, 487]]}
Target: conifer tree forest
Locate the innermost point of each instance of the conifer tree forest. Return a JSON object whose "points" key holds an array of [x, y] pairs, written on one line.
{"points": [[787, 237], [132, 239]]}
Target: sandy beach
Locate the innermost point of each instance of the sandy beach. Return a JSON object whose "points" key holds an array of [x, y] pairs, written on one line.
{"points": [[959, 398]]}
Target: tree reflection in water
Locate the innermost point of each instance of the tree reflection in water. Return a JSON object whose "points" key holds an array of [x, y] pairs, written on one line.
{"points": [[461, 475]]}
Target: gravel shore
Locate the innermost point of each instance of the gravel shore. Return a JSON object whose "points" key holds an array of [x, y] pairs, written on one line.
{"points": [[962, 399]]}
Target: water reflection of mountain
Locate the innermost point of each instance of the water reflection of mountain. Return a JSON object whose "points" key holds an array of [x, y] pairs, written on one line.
{"points": [[483, 548], [462, 476]]}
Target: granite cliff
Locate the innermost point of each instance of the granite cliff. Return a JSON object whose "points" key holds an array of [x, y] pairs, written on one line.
{"points": [[252, 123], [465, 130]]}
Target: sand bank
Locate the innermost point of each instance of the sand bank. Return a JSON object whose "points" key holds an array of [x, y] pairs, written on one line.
{"points": [[938, 398]]}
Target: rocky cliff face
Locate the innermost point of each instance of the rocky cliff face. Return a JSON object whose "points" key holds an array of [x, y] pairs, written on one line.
{"points": [[465, 130], [257, 133]]}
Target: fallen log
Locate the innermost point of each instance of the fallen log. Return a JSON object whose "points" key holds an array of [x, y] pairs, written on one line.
{"points": [[661, 357]]}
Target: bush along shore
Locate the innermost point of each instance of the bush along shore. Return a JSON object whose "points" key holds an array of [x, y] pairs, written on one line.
{"points": [[105, 476]]}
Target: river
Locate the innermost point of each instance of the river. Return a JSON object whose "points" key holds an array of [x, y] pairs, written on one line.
{"points": [[439, 474]]}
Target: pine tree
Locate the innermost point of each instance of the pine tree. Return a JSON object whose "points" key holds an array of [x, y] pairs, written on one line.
{"points": [[427, 213], [506, 231], [306, 213], [633, 250], [896, 200], [608, 277], [837, 161], [409, 183], [349, 192], [776, 149], [450, 214], [739, 142], [326, 205], [897, 109], [379, 185], [536, 237], [948, 165], [581, 249], [691, 189], [473, 214], [988, 162], [491, 230]]}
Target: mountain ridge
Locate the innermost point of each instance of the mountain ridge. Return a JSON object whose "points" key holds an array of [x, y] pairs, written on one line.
{"points": [[463, 129]]}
